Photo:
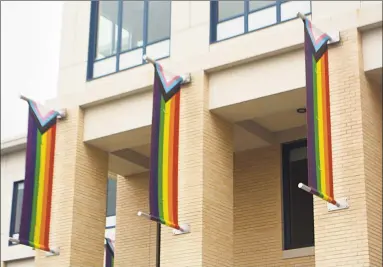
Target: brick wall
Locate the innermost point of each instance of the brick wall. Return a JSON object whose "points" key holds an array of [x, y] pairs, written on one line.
{"points": [[371, 103], [218, 224], [258, 210], [135, 236], [341, 236]]}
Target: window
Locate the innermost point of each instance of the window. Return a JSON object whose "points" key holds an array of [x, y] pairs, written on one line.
{"points": [[121, 32], [111, 197], [232, 18], [298, 211], [17, 202]]}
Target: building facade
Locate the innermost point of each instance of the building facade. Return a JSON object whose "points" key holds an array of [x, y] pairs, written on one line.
{"points": [[12, 189], [242, 145]]}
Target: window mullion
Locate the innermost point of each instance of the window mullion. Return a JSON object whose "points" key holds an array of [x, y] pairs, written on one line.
{"points": [[119, 35], [92, 46], [145, 28], [213, 21], [246, 15], [278, 6]]}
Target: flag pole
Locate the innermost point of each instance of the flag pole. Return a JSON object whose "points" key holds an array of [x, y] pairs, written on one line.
{"points": [[184, 229], [310, 190], [300, 15], [158, 241], [186, 78], [62, 113], [52, 251], [148, 59]]}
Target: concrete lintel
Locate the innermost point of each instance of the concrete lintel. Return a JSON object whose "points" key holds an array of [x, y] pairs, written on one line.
{"points": [[133, 156], [258, 130]]}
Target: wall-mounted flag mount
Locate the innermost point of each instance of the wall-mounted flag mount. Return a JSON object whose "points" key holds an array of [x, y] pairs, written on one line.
{"points": [[319, 149], [36, 206], [163, 183], [164, 148]]}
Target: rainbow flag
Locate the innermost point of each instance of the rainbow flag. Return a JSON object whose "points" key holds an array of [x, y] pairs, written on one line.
{"points": [[36, 208], [164, 149], [109, 253], [319, 150]]}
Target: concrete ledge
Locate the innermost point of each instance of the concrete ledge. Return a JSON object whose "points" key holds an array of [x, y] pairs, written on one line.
{"points": [[13, 145], [297, 253]]}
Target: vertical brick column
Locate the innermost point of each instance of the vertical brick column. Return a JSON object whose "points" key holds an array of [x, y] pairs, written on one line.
{"points": [[205, 184], [79, 198], [135, 236], [341, 237], [371, 101], [205, 194]]}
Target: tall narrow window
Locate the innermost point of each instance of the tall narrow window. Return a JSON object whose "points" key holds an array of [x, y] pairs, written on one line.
{"points": [[122, 32], [111, 197], [17, 202], [107, 29], [230, 9], [158, 11], [297, 205], [132, 25]]}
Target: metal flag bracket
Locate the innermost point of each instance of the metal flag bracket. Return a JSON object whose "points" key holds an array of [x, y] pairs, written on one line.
{"points": [[62, 112], [52, 252], [184, 228], [343, 204], [334, 35], [340, 204], [186, 78]]}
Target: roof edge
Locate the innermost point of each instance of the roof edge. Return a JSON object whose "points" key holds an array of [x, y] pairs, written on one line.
{"points": [[13, 144]]}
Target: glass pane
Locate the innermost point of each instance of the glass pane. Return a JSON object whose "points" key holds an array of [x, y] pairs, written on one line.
{"points": [[132, 25], [107, 29], [159, 49], [111, 197], [228, 9], [254, 5], [104, 67], [290, 9], [262, 18], [159, 20], [19, 203], [131, 58], [230, 28], [302, 215]]}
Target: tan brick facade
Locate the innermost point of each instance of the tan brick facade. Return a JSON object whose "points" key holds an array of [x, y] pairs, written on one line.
{"points": [[232, 200], [135, 236], [208, 208], [342, 237], [371, 104], [258, 210], [234, 204]]}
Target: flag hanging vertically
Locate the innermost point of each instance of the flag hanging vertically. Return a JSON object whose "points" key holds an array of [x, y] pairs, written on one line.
{"points": [[109, 253], [164, 149], [36, 207], [319, 150]]}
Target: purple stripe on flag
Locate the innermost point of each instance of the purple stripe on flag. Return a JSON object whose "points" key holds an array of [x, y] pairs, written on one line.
{"points": [[154, 148], [25, 222], [310, 112], [109, 254]]}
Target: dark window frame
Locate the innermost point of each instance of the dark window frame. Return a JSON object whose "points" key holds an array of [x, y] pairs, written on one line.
{"points": [[13, 210], [286, 212], [92, 44], [107, 198], [214, 18]]}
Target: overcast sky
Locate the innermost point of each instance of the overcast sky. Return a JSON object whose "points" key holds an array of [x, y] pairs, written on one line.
{"points": [[30, 45]]}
